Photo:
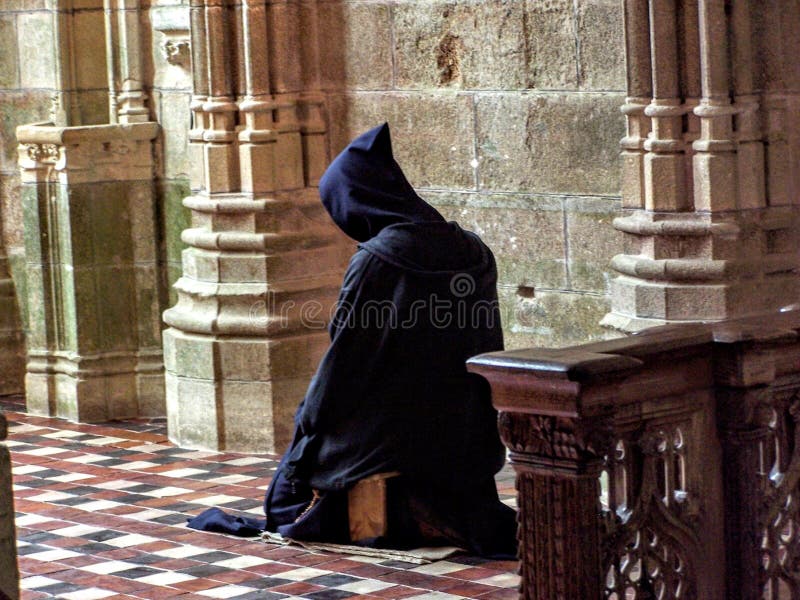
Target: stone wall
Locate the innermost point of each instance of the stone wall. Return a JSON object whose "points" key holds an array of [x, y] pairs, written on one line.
{"points": [[28, 74], [27, 81], [505, 115]]}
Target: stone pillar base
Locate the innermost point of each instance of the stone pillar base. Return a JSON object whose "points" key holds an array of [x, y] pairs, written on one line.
{"points": [[92, 389], [239, 394], [693, 267]]}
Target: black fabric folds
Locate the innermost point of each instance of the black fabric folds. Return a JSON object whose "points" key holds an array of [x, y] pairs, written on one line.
{"points": [[392, 393]]}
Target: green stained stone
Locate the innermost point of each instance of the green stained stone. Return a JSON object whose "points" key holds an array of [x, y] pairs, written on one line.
{"points": [[87, 309], [175, 218], [75, 228], [16, 263], [69, 322], [116, 307], [38, 309], [34, 220], [110, 222]]}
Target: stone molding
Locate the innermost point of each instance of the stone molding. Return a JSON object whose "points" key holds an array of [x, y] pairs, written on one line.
{"points": [[261, 249]]}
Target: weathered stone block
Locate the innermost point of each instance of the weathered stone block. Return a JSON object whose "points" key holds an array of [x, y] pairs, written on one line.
{"points": [[69, 314], [291, 392], [12, 356], [174, 116], [39, 389], [194, 354], [11, 211], [36, 302], [147, 306], [75, 225], [297, 357], [93, 106], [37, 51], [665, 182], [80, 400], [696, 302], [140, 207], [174, 216], [19, 107], [150, 392], [121, 393], [170, 21], [591, 241], [88, 319], [355, 46], [551, 319], [9, 73], [265, 379], [287, 35], [601, 37], [90, 49], [110, 222], [526, 234], [549, 143], [469, 45], [715, 181], [32, 218], [246, 416], [16, 263], [432, 133], [197, 425], [201, 264], [289, 173], [551, 44]]}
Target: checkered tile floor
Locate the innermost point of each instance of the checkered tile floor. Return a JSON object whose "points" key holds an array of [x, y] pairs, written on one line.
{"points": [[101, 513]]}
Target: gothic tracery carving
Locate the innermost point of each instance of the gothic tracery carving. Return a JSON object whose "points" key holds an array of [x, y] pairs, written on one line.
{"points": [[780, 520], [648, 537]]}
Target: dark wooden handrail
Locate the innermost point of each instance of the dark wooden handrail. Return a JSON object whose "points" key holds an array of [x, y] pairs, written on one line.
{"points": [[661, 465]]}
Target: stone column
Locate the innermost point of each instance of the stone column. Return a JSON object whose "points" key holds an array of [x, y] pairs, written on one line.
{"points": [[124, 62], [263, 265], [710, 231], [9, 574], [94, 344]]}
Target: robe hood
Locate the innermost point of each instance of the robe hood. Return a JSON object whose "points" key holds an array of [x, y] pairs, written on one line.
{"points": [[370, 199], [365, 191]]}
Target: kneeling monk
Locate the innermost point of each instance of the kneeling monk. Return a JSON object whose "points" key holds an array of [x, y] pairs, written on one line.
{"points": [[392, 393]]}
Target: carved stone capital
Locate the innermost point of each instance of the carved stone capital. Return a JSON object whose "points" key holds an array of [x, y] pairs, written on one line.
{"points": [[177, 52], [86, 153]]}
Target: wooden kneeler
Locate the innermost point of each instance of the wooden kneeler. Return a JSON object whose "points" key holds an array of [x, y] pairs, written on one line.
{"points": [[367, 507]]}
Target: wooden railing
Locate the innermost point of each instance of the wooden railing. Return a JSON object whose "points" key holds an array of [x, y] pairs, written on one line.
{"points": [[664, 465]]}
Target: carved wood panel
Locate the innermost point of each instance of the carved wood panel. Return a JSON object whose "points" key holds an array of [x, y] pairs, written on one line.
{"points": [[649, 517], [780, 516]]}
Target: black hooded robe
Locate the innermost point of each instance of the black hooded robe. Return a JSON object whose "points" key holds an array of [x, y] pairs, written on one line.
{"points": [[392, 392]]}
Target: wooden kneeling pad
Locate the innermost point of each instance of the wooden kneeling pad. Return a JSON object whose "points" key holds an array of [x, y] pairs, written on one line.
{"points": [[367, 507]]}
